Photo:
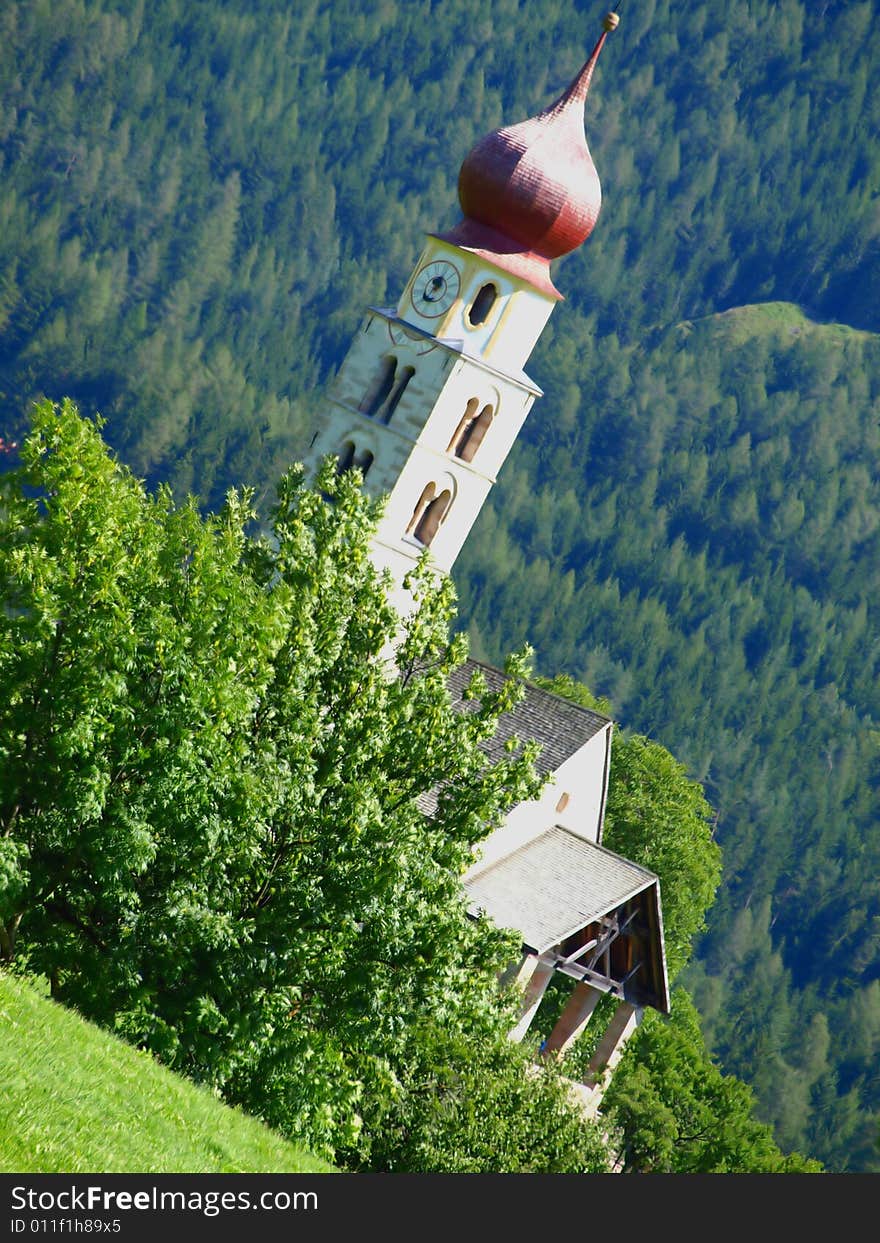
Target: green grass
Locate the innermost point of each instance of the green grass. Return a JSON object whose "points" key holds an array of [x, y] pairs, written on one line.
{"points": [[74, 1099], [783, 319]]}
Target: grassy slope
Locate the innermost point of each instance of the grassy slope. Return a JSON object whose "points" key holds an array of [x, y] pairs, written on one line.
{"points": [[741, 323], [75, 1099]]}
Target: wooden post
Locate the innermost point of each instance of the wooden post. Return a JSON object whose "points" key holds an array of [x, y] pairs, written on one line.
{"points": [[540, 976], [518, 974], [573, 1019], [624, 1022]]}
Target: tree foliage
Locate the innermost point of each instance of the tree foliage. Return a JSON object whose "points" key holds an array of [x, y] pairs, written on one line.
{"points": [[468, 1101], [209, 792], [678, 1114], [197, 202], [718, 574], [658, 816]]}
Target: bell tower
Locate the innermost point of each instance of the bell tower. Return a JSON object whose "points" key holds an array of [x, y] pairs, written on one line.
{"points": [[433, 392]]}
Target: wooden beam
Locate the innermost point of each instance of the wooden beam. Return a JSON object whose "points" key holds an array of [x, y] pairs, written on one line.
{"points": [[629, 975], [624, 1022], [604, 983], [573, 1019], [579, 953], [518, 974]]}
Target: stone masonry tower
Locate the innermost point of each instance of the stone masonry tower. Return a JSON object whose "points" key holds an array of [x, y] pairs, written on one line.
{"points": [[433, 392]]}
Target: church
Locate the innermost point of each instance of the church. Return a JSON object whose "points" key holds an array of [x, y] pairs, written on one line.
{"points": [[427, 405]]}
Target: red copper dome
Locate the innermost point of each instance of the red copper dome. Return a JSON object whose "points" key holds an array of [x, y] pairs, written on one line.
{"points": [[535, 183]]}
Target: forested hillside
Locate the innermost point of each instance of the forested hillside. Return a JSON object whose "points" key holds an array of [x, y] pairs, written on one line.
{"points": [[715, 580], [196, 202]]}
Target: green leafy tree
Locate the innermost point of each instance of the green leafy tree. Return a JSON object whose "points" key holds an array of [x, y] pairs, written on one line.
{"points": [[210, 783], [658, 816], [678, 1114], [469, 1101], [672, 1109], [186, 241]]}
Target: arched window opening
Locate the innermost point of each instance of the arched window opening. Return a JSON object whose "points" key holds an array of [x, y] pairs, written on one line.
{"points": [[345, 458], [473, 435], [421, 504], [563, 802], [377, 394], [482, 305], [406, 375], [429, 523], [349, 459], [470, 413]]}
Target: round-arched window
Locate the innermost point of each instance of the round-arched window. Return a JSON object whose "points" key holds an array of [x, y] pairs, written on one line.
{"points": [[473, 435], [434, 513]]}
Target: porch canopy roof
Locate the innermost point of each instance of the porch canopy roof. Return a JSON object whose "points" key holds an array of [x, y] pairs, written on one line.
{"points": [[557, 888]]}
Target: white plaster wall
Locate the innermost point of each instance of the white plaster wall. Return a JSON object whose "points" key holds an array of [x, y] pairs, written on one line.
{"points": [[469, 491], [411, 449], [431, 462], [410, 444], [583, 777], [398, 563], [510, 399], [343, 420], [517, 330]]}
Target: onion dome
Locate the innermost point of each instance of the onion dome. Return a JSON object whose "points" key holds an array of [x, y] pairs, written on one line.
{"points": [[533, 187]]}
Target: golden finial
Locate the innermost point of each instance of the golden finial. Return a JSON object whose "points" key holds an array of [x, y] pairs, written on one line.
{"points": [[610, 22]]}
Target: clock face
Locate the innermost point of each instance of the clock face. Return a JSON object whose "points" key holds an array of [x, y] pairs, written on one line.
{"points": [[419, 341], [401, 335], [435, 288]]}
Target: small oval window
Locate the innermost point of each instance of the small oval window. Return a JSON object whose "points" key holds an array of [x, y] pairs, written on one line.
{"points": [[563, 802], [482, 305]]}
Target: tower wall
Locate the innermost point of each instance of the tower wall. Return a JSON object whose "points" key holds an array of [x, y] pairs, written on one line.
{"points": [[506, 337], [414, 410]]}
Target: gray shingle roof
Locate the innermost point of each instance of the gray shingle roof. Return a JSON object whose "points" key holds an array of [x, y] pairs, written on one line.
{"points": [[560, 726], [554, 885]]}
